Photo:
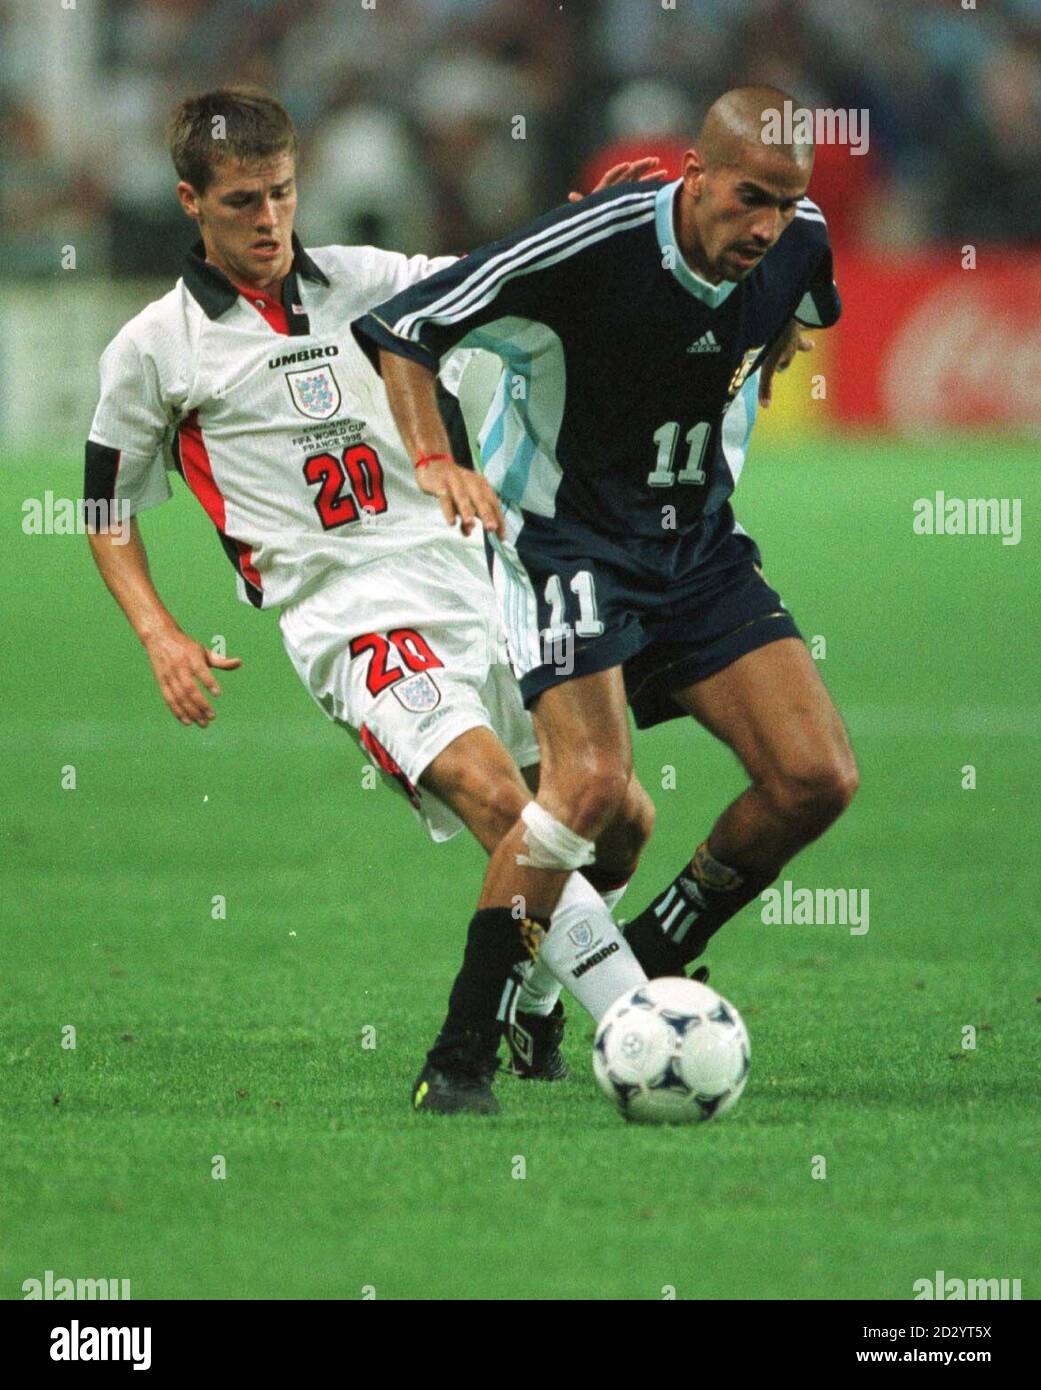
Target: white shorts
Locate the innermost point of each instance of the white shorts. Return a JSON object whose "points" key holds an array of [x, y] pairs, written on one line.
{"points": [[406, 655]]}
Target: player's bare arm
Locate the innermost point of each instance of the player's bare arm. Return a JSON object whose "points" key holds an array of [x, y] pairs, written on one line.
{"points": [[179, 663], [462, 493]]}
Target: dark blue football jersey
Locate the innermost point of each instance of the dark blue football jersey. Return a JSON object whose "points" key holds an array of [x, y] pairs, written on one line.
{"points": [[630, 382]]}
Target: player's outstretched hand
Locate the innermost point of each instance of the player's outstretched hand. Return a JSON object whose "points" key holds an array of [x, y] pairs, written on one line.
{"points": [[780, 358], [180, 665], [632, 170], [463, 494]]}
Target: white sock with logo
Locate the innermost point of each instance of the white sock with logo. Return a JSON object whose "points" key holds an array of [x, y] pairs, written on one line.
{"points": [[583, 951]]}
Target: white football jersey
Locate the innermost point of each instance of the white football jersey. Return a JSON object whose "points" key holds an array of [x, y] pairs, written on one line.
{"points": [[274, 418]]}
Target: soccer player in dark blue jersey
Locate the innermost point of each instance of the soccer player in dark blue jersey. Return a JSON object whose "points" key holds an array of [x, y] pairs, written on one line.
{"points": [[637, 330]]}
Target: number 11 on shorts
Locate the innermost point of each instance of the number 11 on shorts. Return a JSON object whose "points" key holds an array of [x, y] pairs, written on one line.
{"points": [[588, 624]]}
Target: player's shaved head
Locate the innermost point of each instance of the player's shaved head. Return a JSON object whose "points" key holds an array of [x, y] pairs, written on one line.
{"points": [[737, 120], [742, 181]]}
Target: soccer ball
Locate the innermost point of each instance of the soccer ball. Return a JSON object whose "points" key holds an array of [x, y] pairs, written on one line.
{"points": [[671, 1052]]}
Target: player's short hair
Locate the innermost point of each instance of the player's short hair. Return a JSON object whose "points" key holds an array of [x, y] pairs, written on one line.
{"points": [[240, 122]]}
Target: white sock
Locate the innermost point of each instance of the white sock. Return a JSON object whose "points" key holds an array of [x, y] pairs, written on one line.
{"points": [[541, 989], [613, 896], [583, 951]]}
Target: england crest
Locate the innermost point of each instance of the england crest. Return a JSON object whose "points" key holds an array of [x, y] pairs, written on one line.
{"points": [[418, 694], [315, 392], [581, 935]]}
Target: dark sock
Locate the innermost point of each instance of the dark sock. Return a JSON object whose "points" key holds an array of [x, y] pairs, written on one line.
{"points": [[496, 941], [607, 880], [675, 928]]}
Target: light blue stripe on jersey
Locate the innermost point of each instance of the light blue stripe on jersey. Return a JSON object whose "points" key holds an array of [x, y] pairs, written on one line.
{"points": [[516, 597], [807, 312], [495, 438], [520, 433], [737, 425], [735, 432], [524, 595], [509, 478]]}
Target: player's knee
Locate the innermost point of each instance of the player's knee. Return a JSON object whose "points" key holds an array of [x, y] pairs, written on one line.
{"points": [[593, 792], [849, 781], [816, 793], [636, 820], [501, 803]]}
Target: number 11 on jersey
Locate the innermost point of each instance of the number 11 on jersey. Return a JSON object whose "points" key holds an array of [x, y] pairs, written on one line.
{"points": [[662, 475]]}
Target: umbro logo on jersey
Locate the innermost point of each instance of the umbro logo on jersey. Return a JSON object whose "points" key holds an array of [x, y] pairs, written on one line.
{"points": [[706, 343], [307, 355]]}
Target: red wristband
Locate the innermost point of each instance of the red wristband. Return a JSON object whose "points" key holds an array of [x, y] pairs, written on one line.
{"points": [[424, 459]]}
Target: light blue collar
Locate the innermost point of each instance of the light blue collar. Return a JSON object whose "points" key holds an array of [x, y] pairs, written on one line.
{"points": [[712, 295]]}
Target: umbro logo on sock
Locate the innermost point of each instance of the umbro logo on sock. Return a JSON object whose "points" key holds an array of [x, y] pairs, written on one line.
{"points": [[706, 343], [595, 959]]}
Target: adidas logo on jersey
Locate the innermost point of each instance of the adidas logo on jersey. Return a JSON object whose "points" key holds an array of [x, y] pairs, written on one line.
{"points": [[706, 343]]}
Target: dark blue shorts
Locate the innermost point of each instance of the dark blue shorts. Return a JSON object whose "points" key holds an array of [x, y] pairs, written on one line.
{"points": [[574, 605]]}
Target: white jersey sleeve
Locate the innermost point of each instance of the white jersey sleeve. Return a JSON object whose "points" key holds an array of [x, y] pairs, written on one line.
{"points": [[125, 461], [388, 272], [393, 271]]}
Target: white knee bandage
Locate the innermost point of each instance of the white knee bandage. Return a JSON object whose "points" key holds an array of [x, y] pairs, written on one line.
{"points": [[552, 845]]}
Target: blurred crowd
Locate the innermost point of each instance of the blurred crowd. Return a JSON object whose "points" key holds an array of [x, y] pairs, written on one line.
{"points": [[437, 125]]}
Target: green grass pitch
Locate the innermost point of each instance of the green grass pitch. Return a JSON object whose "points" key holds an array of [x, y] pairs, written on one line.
{"points": [[243, 1037]]}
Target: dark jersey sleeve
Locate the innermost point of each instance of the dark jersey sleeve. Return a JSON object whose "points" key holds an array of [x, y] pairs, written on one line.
{"points": [[538, 274], [820, 306]]}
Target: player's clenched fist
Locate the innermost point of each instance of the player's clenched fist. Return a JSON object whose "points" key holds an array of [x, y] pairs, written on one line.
{"points": [[463, 494], [180, 665]]}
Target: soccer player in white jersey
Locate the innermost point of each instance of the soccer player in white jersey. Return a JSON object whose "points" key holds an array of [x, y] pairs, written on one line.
{"points": [[247, 377]]}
